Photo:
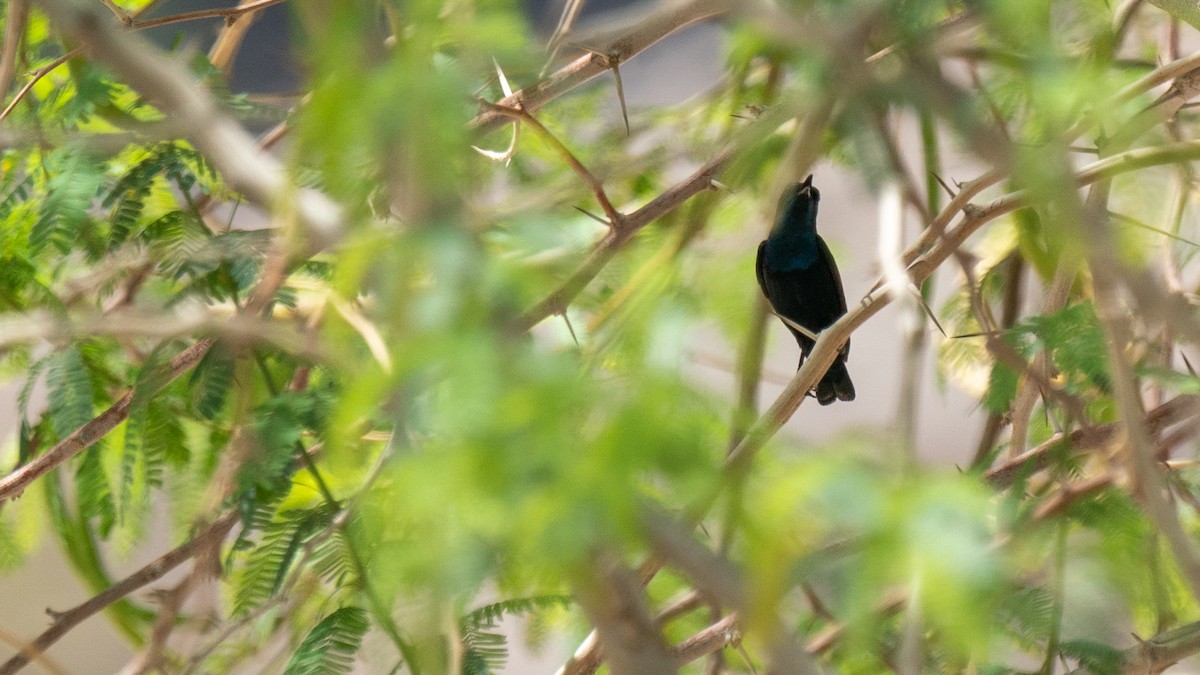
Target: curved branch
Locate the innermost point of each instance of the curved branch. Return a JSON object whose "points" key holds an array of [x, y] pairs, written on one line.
{"points": [[227, 13], [12, 485], [666, 20], [65, 621], [561, 297], [247, 169], [830, 340]]}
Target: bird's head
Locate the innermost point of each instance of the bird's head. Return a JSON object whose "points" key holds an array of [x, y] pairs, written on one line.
{"points": [[798, 206]]}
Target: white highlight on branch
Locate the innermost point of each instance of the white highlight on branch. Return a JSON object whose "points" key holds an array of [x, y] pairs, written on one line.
{"points": [[507, 155], [197, 116], [891, 250]]}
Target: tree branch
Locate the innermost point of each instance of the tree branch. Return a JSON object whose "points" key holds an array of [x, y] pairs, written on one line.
{"points": [[615, 219], [666, 19], [247, 169], [611, 596], [1166, 415], [717, 636], [65, 621], [227, 13], [12, 485], [559, 299]]}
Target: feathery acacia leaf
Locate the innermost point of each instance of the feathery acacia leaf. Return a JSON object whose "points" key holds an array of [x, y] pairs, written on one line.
{"points": [[70, 396], [330, 647]]}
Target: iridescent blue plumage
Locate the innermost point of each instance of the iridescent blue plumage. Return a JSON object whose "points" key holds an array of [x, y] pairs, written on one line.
{"points": [[798, 275]]}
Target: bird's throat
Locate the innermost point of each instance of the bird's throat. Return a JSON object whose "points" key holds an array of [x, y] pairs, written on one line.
{"points": [[792, 248]]}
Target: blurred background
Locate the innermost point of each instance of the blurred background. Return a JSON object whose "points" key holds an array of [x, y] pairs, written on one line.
{"points": [[670, 73]]}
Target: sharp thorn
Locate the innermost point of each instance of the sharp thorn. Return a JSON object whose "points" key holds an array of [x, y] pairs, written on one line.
{"points": [[944, 186], [616, 70], [570, 328], [593, 216]]}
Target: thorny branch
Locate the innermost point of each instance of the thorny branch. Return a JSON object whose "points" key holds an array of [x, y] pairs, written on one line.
{"points": [[65, 621], [615, 219], [12, 485], [627, 43], [939, 243], [559, 299], [197, 116]]}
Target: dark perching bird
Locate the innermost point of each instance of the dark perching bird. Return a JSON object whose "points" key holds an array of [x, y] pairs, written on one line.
{"points": [[800, 279]]}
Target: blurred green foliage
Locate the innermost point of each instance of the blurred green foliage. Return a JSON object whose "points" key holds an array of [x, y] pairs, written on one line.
{"points": [[397, 452]]}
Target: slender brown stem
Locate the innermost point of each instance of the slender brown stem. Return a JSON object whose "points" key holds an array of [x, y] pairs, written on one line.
{"points": [[12, 485], [559, 299], [65, 621], [34, 77], [671, 17], [615, 218], [710, 640], [226, 13]]}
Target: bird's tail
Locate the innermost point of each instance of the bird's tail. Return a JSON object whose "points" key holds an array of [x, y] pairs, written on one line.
{"points": [[835, 384]]}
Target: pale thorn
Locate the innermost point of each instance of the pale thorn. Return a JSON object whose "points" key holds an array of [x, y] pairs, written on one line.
{"points": [[507, 155], [367, 330]]}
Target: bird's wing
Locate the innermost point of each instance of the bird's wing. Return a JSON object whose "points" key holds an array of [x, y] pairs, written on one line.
{"points": [[835, 277], [758, 269]]}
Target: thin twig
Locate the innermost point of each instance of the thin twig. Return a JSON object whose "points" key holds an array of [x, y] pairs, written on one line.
{"points": [[256, 174], [65, 621], [670, 18], [615, 218], [559, 299], [712, 639], [226, 13], [12, 485], [34, 77]]}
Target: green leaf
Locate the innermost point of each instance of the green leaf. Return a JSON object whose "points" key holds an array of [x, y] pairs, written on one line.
{"points": [[71, 393], [1028, 613], [489, 615], [1002, 388], [210, 382], [74, 179], [1076, 342], [95, 492], [1096, 657], [268, 564], [486, 651], [279, 425], [153, 434], [331, 646]]}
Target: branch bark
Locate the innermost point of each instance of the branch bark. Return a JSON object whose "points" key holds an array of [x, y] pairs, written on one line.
{"points": [[611, 596], [65, 621], [624, 45], [12, 485], [158, 76]]}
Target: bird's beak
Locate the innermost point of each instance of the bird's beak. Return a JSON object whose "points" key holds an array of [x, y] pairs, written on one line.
{"points": [[804, 188]]}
